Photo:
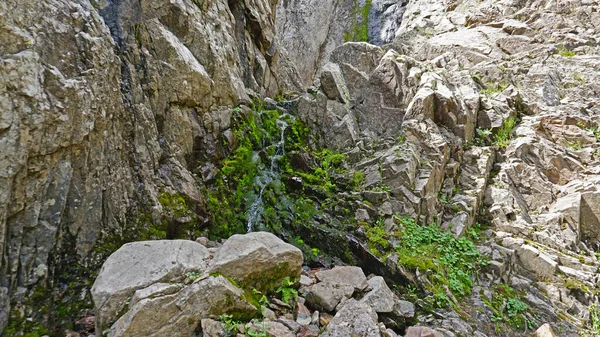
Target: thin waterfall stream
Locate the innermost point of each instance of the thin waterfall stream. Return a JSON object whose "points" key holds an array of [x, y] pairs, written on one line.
{"points": [[268, 175]]}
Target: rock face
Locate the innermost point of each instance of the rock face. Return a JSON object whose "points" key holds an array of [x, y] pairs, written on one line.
{"points": [[114, 116]]}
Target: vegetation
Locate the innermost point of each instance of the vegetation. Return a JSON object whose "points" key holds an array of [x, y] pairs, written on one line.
{"points": [[508, 308], [502, 138], [360, 30], [494, 88], [288, 294], [564, 52], [452, 261]]}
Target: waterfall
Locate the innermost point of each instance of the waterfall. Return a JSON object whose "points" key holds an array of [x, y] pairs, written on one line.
{"points": [[267, 176]]}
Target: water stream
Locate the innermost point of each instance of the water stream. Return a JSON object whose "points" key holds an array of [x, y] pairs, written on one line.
{"points": [[267, 176]]}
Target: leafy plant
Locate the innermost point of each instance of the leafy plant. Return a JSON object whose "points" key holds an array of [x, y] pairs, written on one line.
{"points": [[231, 325], [258, 333], [192, 275], [451, 261], [507, 306], [502, 138], [288, 293]]}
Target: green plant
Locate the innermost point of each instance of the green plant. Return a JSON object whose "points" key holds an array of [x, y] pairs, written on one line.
{"points": [[564, 52], [451, 260], [287, 292], [595, 130], [360, 30], [579, 78], [192, 275], [494, 88], [574, 144], [230, 325], [258, 333], [483, 136], [502, 138], [507, 306], [595, 318]]}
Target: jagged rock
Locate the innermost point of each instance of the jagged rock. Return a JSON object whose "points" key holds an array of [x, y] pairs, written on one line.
{"points": [[325, 319], [355, 318], [420, 331], [589, 218], [138, 265], [257, 260], [380, 298], [180, 314], [305, 281], [347, 275], [536, 262], [544, 331], [212, 328], [328, 294]]}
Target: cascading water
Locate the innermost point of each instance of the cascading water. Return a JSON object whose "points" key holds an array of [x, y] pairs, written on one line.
{"points": [[267, 176]]}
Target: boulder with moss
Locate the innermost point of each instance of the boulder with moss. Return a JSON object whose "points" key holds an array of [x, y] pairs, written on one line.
{"points": [[258, 260]]}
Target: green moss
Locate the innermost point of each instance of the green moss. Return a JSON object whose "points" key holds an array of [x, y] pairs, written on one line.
{"points": [[360, 29]]}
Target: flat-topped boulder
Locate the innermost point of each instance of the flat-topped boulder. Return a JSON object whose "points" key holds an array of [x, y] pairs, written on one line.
{"points": [[258, 260]]}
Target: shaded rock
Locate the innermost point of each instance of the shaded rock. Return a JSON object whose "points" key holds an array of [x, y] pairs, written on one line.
{"points": [[138, 265], [257, 260], [355, 318]]}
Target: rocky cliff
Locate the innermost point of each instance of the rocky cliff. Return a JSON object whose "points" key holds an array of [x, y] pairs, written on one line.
{"points": [[121, 121]]}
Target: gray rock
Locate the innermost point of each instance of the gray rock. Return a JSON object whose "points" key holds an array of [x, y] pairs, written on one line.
{"points": [[380, 298], [138, 265], [544, 331], [257, 260], [347, 275], [181, 313], [212, 328], [355, 318], [328, 294]]}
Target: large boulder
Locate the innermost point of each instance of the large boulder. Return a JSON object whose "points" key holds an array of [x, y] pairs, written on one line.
{"points": [[354, 319], [180, 314], [258, 260], [138, 265]]}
